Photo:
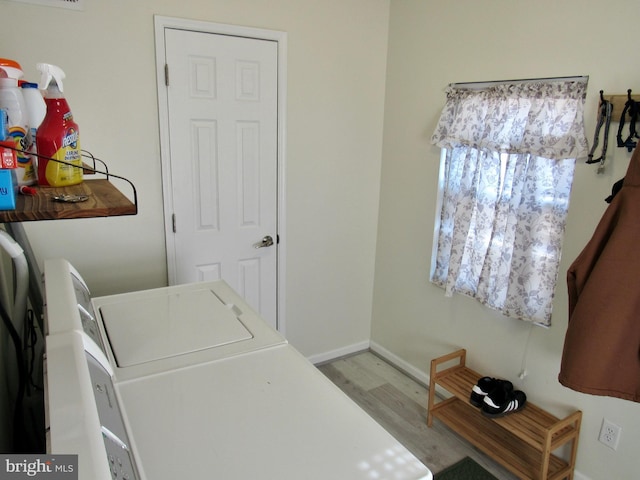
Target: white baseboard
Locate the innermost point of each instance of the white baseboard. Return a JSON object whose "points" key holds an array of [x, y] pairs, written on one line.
{"points": [[420, 376], [417, 374], [340, 352]]}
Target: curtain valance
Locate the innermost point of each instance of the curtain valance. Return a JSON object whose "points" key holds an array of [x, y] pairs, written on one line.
{"points": [[542, 118]]}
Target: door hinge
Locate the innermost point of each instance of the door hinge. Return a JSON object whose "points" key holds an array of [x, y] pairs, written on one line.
{"points": [[166, 74], [173, 222]]}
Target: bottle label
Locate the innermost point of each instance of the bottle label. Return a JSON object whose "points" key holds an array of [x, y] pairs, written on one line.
{"points": [[26, 172], [70, 145], [56, 173]]}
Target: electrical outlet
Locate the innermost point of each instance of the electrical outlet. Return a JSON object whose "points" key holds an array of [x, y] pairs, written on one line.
{"points": [[610, 434]]}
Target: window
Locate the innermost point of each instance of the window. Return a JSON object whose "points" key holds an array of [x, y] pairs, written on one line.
{"points": [[509, 153]]}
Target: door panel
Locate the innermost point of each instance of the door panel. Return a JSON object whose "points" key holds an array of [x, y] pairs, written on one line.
{"points": [[223, 128]]}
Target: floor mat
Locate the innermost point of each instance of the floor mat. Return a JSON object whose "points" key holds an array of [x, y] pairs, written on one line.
{"points": [[465, 469]]}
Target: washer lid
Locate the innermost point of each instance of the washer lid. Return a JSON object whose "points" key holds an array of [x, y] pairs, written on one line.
{"points": [[163, 323]]}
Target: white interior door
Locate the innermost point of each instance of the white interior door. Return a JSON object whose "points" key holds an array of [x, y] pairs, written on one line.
{"points": [[222, 111]]}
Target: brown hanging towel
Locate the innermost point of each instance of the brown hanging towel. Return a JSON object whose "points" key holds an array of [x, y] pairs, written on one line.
{"points": [[601, 354]]}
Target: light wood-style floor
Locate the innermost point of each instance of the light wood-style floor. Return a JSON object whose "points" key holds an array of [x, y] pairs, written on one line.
{"points": [[398, 403]]}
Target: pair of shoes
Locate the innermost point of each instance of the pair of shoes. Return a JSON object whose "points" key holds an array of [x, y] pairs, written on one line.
{"points": [[484, 387], [496, 397]]}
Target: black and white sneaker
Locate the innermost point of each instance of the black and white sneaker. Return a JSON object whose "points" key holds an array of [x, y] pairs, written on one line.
{"points": [[484, 387], [501, 402]]}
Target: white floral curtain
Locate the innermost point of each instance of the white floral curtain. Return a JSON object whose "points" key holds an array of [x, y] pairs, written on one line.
{"points": [[508, 170]]}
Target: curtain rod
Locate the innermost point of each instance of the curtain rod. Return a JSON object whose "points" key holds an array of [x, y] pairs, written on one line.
{"points": [[583, 78]]}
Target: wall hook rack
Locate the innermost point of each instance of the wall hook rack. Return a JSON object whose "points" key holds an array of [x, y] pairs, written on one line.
{"points": [[618, 102]]}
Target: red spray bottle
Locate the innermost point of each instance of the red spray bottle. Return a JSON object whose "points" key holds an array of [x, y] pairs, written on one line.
{"points": [[58, 136]]}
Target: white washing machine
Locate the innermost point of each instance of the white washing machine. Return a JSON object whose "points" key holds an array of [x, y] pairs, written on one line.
{"points": [[189, 382]]}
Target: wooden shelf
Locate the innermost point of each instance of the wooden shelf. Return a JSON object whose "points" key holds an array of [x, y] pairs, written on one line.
{"points": [[104, 200], [522, 442]]}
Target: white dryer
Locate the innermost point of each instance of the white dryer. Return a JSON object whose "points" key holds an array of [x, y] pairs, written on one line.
{"points": [[203, 388]]}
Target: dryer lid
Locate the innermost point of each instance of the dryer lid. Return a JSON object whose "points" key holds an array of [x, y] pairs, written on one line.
{"points": [[162, 323]]}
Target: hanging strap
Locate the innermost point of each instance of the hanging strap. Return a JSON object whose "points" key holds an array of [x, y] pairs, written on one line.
{"points": [[603, 118], [631, 107]]}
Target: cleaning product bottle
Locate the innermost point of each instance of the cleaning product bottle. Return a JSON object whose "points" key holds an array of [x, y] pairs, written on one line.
{"points": [[58, 137], [12, 100], [36, 110]]}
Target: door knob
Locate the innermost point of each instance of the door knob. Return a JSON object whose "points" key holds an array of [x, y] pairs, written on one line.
{"points": [[265, 242]]}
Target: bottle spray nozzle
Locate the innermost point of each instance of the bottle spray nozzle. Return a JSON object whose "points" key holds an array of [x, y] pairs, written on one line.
{"points": [[10, 69], [50, 72]]}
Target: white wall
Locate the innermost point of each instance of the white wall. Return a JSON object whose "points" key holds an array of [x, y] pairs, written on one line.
{"points": [[434, 43], [336, 76], [336, 107]]}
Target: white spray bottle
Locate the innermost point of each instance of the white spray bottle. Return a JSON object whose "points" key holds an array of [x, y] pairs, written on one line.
{"points": [[58, 136], [12, 101]]}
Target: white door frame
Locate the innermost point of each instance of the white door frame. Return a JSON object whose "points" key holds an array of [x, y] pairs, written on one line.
{"points": [[161, 23]]}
